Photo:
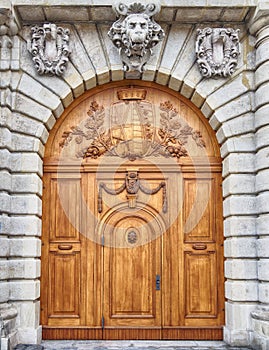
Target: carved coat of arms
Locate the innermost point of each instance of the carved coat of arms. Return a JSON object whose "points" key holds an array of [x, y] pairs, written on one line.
{"points": [[217, 51], [50, 49]]}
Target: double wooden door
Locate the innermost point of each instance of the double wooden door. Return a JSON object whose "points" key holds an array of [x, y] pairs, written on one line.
{"points": [[124, 265]]}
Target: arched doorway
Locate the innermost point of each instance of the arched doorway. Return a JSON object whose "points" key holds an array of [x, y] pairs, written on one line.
{"points": [[132, 219]]}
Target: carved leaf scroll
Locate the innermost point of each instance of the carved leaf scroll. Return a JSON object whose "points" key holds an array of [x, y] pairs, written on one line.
{"points": [[173, 136]]}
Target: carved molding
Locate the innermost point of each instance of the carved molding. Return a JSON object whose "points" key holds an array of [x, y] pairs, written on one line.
{"points": [[8, 28], [135, 33], [217, 51], [49, 47], [169, 140]]}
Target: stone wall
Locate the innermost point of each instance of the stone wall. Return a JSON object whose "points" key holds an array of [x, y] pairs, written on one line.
{"points": [[236, 108]]}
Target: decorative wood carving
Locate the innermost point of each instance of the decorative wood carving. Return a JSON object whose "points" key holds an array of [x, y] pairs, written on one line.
{"points": [[132, 185], [132, 237], [50, 49], [217, 51], [173, 136], [169, 140], [132, 94]]}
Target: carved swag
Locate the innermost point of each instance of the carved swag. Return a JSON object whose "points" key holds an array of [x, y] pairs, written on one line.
{"points": [[132, 185]]}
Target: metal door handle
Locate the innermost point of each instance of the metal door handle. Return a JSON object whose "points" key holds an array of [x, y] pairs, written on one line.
{"points": [[158, 282]]}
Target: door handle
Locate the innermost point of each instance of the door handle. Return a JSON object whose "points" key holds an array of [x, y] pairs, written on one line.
{"points": [[199, 246], [65, 246], [158, 282]]}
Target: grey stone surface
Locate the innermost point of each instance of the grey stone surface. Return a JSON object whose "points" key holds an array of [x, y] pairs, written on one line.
{"points": [[141, 345], [28, 347], [237, 109]]}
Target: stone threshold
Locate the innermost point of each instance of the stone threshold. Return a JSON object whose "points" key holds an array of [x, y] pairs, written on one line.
{"points": [[128, 345]]}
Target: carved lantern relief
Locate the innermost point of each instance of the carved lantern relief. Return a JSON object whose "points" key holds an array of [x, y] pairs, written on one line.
{"points": [[50, 49], [135, 33], [217, 51]]}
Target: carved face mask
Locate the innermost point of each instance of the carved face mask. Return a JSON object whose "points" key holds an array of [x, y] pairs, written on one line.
{"points": [[137, 28]]}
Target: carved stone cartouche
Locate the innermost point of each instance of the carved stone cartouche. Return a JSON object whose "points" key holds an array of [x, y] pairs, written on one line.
{"points": [[217, 51], [135, 33], [50, 49]]}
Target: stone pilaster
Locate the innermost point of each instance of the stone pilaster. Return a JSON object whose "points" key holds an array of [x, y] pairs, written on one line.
{"points": [[260, 317], [9, 61]]}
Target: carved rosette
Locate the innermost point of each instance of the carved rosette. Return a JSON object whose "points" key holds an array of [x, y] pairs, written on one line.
{"points": [[141, 139], [50, 49], [217, 51], [135, 33]]}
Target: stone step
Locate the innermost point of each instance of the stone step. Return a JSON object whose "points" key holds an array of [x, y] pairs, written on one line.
{"points": [[128, 345]]}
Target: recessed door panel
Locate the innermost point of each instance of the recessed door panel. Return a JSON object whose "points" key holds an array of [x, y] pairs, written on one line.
{"points": [[130, 295]]}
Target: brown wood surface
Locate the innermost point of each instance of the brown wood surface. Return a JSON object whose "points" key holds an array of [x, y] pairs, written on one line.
{"points": [[84, 281]]}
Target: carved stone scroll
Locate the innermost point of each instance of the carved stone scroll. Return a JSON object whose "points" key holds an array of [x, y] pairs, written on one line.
{"points": [[217, 51], [135, 33], [50, 49]]}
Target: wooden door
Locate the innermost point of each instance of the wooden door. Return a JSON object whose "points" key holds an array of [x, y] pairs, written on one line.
{"points": [[130, 227], [124, 264]]}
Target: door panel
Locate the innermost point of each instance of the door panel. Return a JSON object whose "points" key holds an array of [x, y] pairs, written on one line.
{"points": [[63, 252], [199, 216], [202, 250], [65, 204], [65, 274], [130, 296], [200, 291]]}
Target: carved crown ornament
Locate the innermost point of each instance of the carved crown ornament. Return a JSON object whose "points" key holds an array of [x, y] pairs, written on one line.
{"points": [[128, 129], [217, 51], [49, 47], [135, 33]]}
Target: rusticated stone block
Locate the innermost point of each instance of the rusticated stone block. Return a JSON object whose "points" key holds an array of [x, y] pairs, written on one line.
{"points": [[28, 347]]}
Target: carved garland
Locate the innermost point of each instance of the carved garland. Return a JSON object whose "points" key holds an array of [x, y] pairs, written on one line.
{"points": [[168, 141]]}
